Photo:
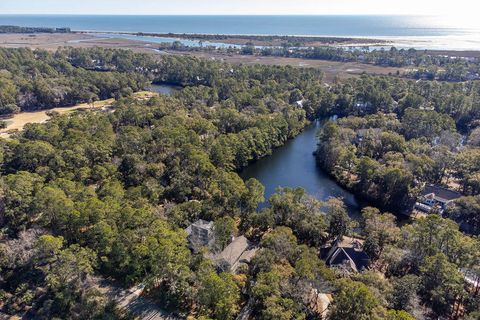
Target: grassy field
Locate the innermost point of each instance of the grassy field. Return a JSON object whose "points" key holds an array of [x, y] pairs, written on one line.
{"points": [[332, 69]]}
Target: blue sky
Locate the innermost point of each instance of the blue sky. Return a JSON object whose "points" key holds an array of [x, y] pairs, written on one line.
{"points": [[434, 7]]}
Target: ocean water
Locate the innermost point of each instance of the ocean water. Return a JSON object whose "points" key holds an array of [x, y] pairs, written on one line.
{"points": [[425, 31]]}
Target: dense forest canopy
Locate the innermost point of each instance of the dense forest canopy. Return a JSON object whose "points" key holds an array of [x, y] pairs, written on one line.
{"points": [[32, 80], [401, 135], [111, 194]]}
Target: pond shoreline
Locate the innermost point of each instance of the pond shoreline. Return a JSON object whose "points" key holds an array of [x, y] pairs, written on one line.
{"points": [[294, 165]]}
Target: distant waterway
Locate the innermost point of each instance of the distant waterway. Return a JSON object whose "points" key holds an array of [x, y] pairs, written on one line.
{"points": [[293, 165], [165, 40], [421, 32]]}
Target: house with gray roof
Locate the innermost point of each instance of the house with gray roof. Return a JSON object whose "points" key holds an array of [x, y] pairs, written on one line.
{"points": [[238, 251], [201, 234], [435, 197]]}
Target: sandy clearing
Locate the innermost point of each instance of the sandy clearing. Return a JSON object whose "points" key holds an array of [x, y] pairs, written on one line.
{"points": [[19, 120]]}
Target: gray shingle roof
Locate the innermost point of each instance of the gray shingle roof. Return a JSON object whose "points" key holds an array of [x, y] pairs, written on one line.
{"points": [[441, 194]]}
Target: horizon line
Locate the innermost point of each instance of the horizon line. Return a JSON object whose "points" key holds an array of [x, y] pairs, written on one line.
{"points": [[218, 14]]}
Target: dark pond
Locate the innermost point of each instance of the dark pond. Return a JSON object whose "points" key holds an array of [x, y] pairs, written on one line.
{"points": [[293, 165], [166, 89]]}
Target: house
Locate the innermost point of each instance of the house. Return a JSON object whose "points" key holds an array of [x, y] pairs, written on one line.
{"points": [[238, 251], [347, 253], [63, 30], [436, 197], [362, 106], [472, 278], [200, 234], [299, 103]]}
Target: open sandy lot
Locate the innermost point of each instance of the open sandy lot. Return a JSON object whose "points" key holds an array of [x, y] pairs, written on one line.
{"points": [[19, 120]]}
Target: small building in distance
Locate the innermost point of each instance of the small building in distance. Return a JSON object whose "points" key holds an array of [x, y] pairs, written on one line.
{"points": [[238, 251], [362, 106], [299, 103], [201, 234], [436, 198], [369, 133], [347, 254]]}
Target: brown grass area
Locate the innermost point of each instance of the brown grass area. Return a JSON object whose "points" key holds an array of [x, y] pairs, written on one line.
{"points": [[332, 69]]}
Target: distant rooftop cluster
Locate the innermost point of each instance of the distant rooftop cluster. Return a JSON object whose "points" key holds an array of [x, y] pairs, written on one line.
{"points": [[18, 29]]}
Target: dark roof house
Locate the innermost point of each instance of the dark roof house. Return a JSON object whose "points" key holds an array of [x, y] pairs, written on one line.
{"points": [[348, 253]]}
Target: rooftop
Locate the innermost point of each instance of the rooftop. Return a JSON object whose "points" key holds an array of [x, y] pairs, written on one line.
{"points": [[440, 193], [202, 224], [348, 251], [234, 250], [238, 251]]}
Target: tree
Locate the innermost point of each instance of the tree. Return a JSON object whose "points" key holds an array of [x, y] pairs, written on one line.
{"points": [[224, 229], [66, 273], [404, 292], [218, 295], [354, 301], [271, 301], [432, 235], [399, 315], [8, 96], [58, 211], [295, 95], [281, 242], [31, 155], [339, 223], [441, 284], [166, 256], [380, 230], [17, 199], [422, 123], [254, 195], [467, 210], [300, 212]]}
